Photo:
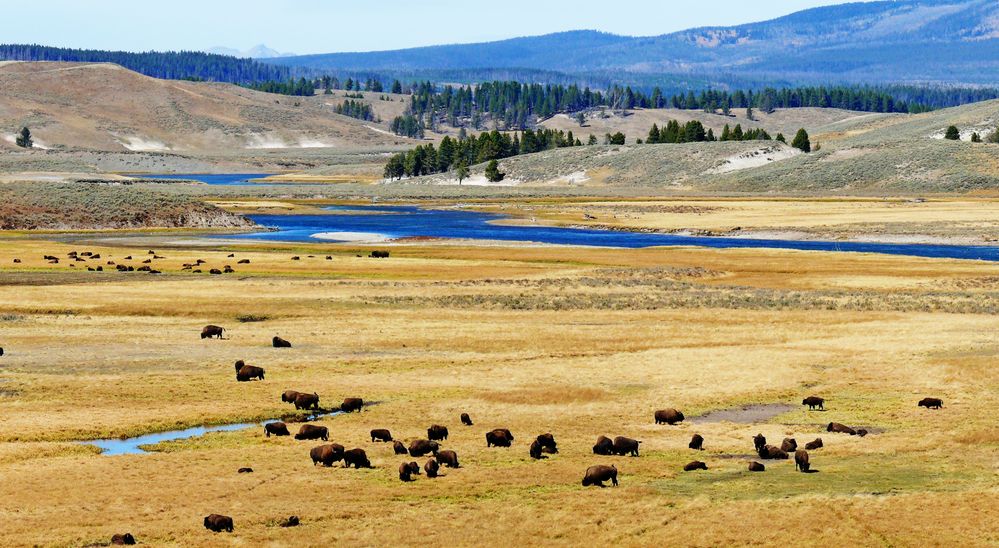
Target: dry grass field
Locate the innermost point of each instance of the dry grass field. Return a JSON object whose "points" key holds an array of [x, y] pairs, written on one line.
{"points": [[576, 342]]}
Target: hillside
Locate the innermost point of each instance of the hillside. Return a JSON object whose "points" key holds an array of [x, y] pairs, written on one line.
{"points": [[951, 41], [106, 107]]}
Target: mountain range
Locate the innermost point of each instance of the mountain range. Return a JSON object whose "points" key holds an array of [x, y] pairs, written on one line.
{"points": [[260, 51]]}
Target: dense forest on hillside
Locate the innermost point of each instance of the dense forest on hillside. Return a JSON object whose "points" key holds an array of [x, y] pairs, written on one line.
{"points": [[174, 65]]}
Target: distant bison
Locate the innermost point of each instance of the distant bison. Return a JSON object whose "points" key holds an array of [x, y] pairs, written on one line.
{"points": [[844, 429], [626, 446], [381, 434], [801, 460], [771, 452], [350, 405], [292, 521], [501, 437], [419, 448], [604, 446], [307, 401], [431, 468], [313, 432], [466, 420], [814, 444], [598, 474], [757, 467], [789, 445], [399, 448], [246, 373], [448, 458], [696, 465], [696, 442], [668, 416], [437, 432], [276, 428], [326, 454], [218, 523], [245, 470], [814, 401], [407, 470], [243, 261], [289, 396], [278, 342], [210, 331], [123, 539], [379, 254], [356, 458], [931, 403]]}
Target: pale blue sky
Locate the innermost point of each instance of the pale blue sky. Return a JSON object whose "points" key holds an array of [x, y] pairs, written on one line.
{"points": [[321, 26]]}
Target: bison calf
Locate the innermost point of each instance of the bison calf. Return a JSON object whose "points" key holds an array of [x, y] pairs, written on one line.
{"points": [[407, 470], [931, 403], [668, 416], [218, 523], [466, 420], [276, 428], [399, 448], [598, 474], [381, 434], [696, 465]]}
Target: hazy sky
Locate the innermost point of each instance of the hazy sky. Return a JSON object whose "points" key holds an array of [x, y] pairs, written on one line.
{"points": [[321, 26]]}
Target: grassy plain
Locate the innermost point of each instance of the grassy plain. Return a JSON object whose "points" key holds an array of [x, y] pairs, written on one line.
{"points": [[577, 342]]}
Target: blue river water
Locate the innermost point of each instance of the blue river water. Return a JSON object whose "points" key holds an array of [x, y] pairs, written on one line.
{"points": [[224, 179]]}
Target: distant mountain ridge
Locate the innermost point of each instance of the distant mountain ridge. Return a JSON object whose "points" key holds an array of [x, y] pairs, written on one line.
{"points": [[260, 51], [949, 41]]}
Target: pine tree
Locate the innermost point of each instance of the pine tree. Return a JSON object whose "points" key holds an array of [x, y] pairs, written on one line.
{"points": [[397, 87], [617, 139], [493, 174], [780, 137], [592, 140], [801, 141], [726, 133], [461, 171], [749, 114], [953, 134], [24, 138], [653, 135]]}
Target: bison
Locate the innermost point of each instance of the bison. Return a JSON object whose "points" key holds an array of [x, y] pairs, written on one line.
{"points": [[278, 342], [399, 448], [313, 432], [123, 539], [218, 523], [289, 396], [432, 468], [604, 446], [757, 467], [814, 401], [626, 446], [547, 443], [245, 373], [326, 454], [844, 429], [668, 416], [292, 521], [466, 420], [276, 428], [814, 444], [696, 442], [535, 450], [379, 254], [307, 401], [407, 470], [695, 465], [350, 405], [759, 441], [210, 331], [598, 474], [789, 445], [501, 437], [356, 458], [381, 434], [801, 460], [771, 452], [437, 432], [419, 448], [448, 458], [931, 403], [245, 470]]}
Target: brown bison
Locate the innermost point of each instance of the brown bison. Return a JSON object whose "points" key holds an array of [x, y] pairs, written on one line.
{"points": [[604, 446], [801, 460], [292, 521], [432, 468], [407, 470], [419, 448], [437, 432], [814, 401], [356, 458], [326, 454], [546, 443], [535, 450], [814, 444], [771, 452], [598, 474], [789, 445], [844, 429], [245, 372], [123, 539], [218, 523], [278, 342], [210, 331], [289, 396], [668, 416], [243, 261], [399, 448], [759, 441], [215, 272], [381, 434], [307, 401], [501, 437], [696, 442], [448, 458], [466, 420], [276, 428], [931, 403], [350, 405], [245, 470], [757, 467], [696, 465], [313, 432], [626, 446]]}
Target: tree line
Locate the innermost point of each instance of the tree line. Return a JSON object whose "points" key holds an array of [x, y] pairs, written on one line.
{"points": [[298, 88], [356, 109]]}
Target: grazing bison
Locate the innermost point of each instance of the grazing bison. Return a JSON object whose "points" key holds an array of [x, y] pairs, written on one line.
{"points": [[210, 331], [289, 396], [696, 465], [466, 420], [407, 470], [379, 254], [759, 441], [350, 405], [801, 460], [218, 523], [696, 442], [245, 373], [814, 401], [431, 468], [215, 272], [313, 432], [813, 445], [448, 458], [771, 452], [931, 403], [789, 445], [844, 429], [381, 434], [757, 467], [535, 451], [276, 428], [419, 448], [437, 432], [598, 474], [245, 470], [399, 448], [123, 539], [356, 458], [292, 521], [501, 437], [243, 261], [547, 443], [326, 454], [626, 446], [278, 342], [307, 401], [604, 446], [668, 416]]}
